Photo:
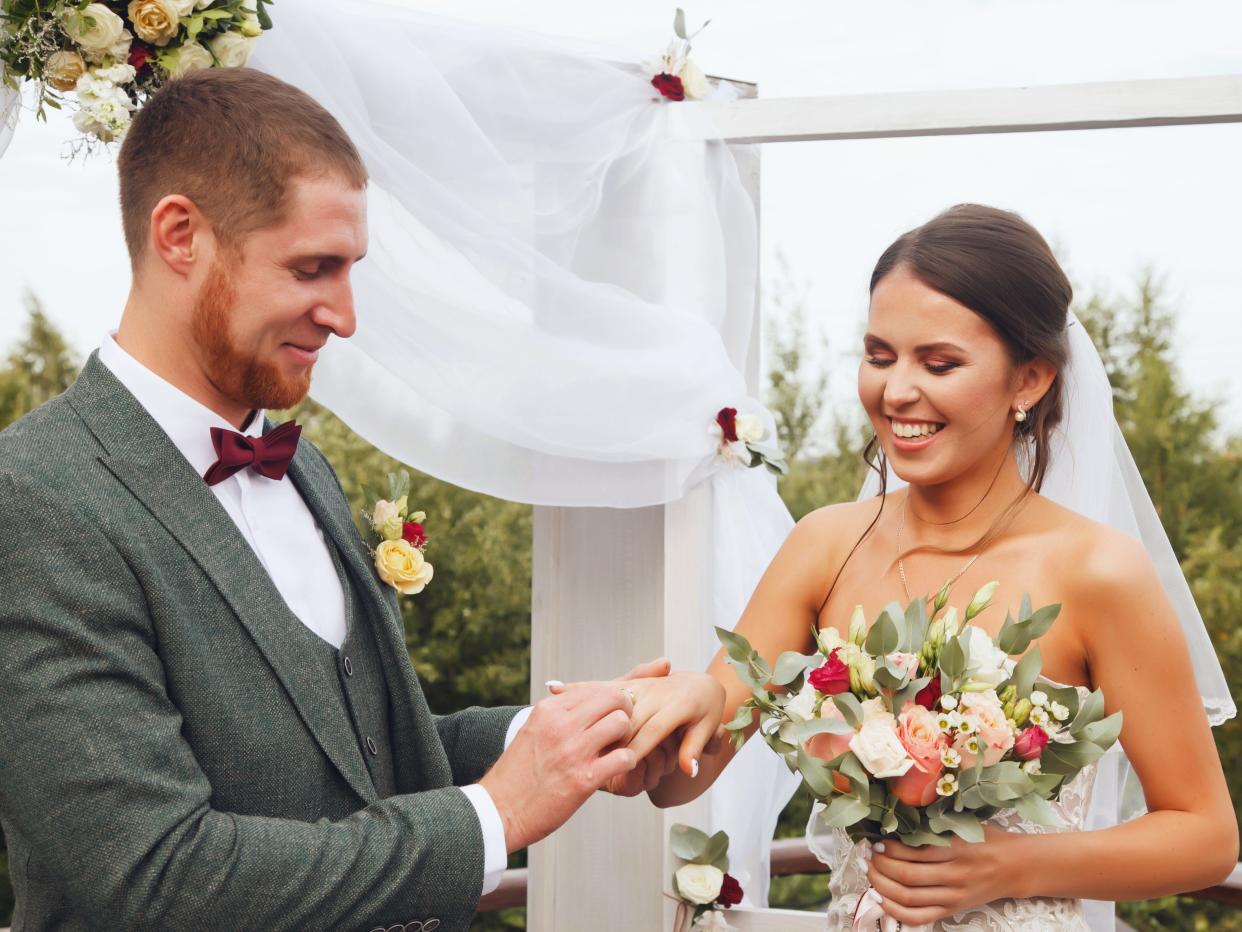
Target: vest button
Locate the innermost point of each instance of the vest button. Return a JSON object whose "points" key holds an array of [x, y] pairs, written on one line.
{"points": [[372, 746], [349, 667]]}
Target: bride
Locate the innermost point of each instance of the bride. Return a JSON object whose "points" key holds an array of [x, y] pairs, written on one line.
{"points": [[963, 379]]}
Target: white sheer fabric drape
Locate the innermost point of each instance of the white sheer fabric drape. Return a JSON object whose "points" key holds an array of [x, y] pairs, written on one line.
{"points": [[558, 297], [10, 105]]}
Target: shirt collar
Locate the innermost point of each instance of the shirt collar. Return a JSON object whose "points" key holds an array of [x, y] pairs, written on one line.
{"points": [[186, 422]]}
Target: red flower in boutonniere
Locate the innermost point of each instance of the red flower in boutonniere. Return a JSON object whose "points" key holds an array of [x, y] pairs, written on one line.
{"points": [[412, 532]]}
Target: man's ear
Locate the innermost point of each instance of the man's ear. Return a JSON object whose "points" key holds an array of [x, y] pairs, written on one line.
{"points": [[177, 234]]}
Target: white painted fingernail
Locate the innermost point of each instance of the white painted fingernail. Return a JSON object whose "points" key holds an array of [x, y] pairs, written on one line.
{"points": [[694, 768], [553, 684], [875, 895], [878, 847]]}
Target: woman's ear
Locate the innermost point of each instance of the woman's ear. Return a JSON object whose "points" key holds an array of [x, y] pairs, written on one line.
{"points": [[1034, 378]]}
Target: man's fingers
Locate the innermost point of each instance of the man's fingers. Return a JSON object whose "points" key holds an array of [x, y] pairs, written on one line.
{"points": [[614, 764], [654, 732], [613, 728], [658, 667]]}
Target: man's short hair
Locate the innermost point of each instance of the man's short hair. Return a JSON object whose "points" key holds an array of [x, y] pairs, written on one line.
{"points": [[231, 140]]}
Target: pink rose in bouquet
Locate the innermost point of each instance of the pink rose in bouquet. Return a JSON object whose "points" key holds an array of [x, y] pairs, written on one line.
{"points": [[924, 742]]}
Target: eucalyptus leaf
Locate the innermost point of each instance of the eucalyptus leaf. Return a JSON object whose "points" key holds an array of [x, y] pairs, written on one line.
{"points": [[679, 24], [920, 838], [888, 824], [687, 842], [1091, 711], [816, 774], [1024, 612], [961, 824], [916, 626], [717, 847], [887, 679], [1037, 809], [745, 673], [953, 659], [735, 645], [845, 811], [791, 664], [849, 706], [883, 637], [804, 731], [1026, 671], [1104, 732]]}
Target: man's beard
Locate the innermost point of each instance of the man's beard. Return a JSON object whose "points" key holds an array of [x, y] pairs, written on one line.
{"points": [[240, 375]]}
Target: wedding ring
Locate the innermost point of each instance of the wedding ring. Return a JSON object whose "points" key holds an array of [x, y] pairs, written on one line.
{"points": [[629, 692]]}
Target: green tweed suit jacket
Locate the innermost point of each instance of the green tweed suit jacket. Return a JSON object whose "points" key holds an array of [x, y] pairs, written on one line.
{"points": [[169, 756]]}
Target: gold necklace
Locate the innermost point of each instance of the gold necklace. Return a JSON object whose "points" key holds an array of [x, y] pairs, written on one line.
{"points": [[901, 565]]}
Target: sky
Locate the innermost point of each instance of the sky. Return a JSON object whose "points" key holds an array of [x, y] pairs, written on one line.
{"points": [[1113, 202]]}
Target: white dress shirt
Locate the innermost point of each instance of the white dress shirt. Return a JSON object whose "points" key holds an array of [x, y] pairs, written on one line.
{"points": [[277, 525]]}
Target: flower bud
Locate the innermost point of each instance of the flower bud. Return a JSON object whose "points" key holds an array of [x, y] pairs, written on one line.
{"points": [[951, 627], [982, 599], [942, 599], [1008, 694], [858, 626], [1021, 712]]}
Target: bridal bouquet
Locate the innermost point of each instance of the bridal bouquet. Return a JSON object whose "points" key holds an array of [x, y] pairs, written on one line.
{"points": [[920, 726], [115, 54]]}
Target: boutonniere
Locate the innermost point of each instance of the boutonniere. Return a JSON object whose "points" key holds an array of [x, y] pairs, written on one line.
{"points": [[397, 538], [702, 884], [741, 440]]}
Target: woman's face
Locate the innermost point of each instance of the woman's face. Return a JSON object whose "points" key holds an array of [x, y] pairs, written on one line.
{"points": [[936, 381]]}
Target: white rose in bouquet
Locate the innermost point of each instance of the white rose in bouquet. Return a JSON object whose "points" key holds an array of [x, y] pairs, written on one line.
{"points": [[987, 661], [878, 748], [699, 883], [95, 29], [232, 49]]}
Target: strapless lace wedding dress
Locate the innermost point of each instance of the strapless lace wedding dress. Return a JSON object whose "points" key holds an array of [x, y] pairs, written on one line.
{"points": [[1037, 914]]}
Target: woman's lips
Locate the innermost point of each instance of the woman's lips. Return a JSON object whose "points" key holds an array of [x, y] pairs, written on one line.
{"points": [[912, 444]]}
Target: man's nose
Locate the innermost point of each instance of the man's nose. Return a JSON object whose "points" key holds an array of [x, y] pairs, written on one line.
{"points": [[337, 312]]}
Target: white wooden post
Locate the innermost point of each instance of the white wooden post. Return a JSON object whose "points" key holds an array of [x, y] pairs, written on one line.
{"points": [[612, 588]]}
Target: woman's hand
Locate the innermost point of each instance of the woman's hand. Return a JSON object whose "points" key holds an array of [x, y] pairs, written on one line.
{"points": [[923, 885]]}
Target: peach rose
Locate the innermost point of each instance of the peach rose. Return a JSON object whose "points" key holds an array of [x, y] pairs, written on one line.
{"points": [[995, 737], [830, 746], [916, 787], [63, 70], [155, 21]]}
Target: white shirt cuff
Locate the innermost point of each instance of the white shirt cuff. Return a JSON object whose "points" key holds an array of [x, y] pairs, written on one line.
{"points": [[495, 852], [515, 725]]}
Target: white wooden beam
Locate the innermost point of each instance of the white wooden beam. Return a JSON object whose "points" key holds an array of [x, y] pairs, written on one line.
{"points": [[1104, 105]]}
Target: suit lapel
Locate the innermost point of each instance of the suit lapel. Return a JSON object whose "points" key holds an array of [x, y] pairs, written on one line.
{"points": [[412, 723], [150, 466]]}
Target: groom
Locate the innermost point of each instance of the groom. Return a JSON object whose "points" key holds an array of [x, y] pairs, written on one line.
{"points": [[208, 717]]}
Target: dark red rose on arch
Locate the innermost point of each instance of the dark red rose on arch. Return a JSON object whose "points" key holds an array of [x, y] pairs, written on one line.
{"points": [[929, 695], [670, 86], [730, 892], [727, 419], [833, 677], [139, 55], [414, 534]]}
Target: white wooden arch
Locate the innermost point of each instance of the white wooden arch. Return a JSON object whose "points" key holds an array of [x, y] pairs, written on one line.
{"points": [[613, 587]]}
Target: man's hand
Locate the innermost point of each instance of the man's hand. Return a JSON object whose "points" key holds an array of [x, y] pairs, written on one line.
{"points": [[571, 745], [689, 704]]}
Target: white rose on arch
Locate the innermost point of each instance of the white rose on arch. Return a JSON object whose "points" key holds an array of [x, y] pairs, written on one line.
{"points": [[94, 29], [699, 883], [232, 49]]}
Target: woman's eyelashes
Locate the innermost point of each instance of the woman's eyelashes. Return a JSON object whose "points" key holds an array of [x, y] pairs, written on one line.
{"points": [[936, 368]]}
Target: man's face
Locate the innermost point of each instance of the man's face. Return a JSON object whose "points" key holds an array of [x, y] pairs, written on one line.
{"points": [[261, 317]]}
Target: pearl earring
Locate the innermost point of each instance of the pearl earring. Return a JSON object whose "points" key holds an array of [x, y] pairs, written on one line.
{"points": [[1020, 416]]}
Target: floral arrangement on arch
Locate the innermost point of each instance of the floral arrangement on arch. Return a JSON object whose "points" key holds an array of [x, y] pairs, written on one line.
{"points": [[702, 885], [113, 55], [674, 74]]}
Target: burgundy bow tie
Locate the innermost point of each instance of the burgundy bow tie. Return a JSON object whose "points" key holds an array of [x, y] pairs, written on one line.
{"points": [[269, 455]]}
